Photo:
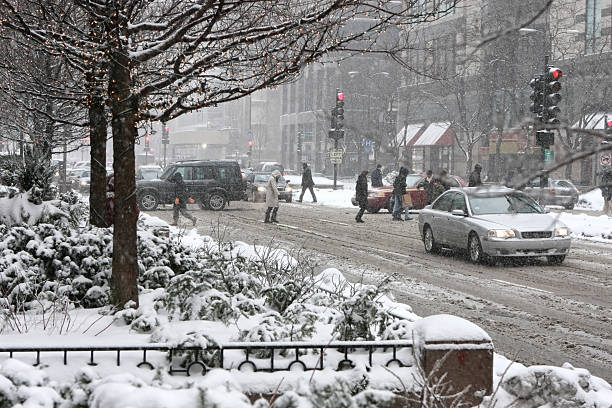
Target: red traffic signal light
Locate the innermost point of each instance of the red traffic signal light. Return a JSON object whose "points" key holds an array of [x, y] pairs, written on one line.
{"points": [[340, 96], [250, 143], [553, 74], [147, 139], [609, 126], [167, 129]]}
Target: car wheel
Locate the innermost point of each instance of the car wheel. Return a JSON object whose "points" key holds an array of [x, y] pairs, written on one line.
{"points": [[569, 206], [148, 201], [428, 240], [216, 201], [475, 249], [372, 210], [555, 259]]}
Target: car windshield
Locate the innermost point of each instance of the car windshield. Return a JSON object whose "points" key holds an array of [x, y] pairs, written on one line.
{"points": [[167, 173], [263, 178], [149, 174], [412, 179], [508, 203]]}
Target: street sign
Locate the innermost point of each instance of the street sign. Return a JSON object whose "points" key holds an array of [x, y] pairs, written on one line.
{"points": [[367, 145], [549, 155], [335, 156], [165, 141], [605, 160]]}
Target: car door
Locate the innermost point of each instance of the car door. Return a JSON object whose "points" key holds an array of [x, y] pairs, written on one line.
{"points": [[203, 180], [231, 181], [440, 215], [457, 235]]}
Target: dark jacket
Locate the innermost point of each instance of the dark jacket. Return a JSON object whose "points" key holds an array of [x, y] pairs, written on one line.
{"points": [[606, 183], [474, 180], [307, 178], [437, 189], [361, 190], [429, 189], [180, 190], [399, 184], [377, 179]]}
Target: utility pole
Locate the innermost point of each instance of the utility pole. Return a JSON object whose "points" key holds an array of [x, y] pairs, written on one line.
{"points": [[337, 132]]}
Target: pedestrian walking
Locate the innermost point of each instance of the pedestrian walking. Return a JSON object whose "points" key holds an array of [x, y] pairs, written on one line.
{"points": [[606, 189], [180, 200], [272, 197], [427, 185], [474, 180], [399, 189], [361, 194], [377, 178], [307, 183]]}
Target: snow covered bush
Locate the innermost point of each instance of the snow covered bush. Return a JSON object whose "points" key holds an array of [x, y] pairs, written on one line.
{"points": [[209, 354], [23, 384], [360, 313]]}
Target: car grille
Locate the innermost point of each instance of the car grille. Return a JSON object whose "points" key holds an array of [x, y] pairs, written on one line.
{"points": [[536, 234]]}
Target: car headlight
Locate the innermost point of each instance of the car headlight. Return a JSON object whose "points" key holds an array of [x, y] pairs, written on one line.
{"points": [[84, 183], [498, 233], [562, 232], [261, 188], [289, 189]]}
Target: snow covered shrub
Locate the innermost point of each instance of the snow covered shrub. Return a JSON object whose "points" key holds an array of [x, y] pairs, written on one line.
{"points": [[247, 306], [300, 322], [209, 354], [180, 291], [337, 393], [23, 384], [279, 297], [142, 320], [398, 330], [375, 399], [360, 313], [271, 327], [76, 394], [156, 277]]}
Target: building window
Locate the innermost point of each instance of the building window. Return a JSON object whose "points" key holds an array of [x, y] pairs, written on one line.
{"points": [[593, 26], [417, 159]]}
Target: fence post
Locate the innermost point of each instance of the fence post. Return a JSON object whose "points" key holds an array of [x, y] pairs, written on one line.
{"points": [[460, 351]]}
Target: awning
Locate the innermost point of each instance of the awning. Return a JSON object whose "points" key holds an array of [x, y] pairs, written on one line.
{"points": [[594, 121], [436, 134], [408, 134]]}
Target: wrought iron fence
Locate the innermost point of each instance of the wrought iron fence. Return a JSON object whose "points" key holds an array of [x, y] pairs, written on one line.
{"points": [[279, 356]]}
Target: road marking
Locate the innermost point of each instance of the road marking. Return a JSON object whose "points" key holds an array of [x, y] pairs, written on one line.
{"points": [[304, 230], [336, 222], [522, 286]]}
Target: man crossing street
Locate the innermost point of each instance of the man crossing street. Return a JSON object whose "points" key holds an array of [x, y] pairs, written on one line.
{"points": [[307, 183]]}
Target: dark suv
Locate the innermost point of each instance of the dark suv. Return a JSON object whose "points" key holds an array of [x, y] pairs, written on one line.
{"points": [[212, 183]]}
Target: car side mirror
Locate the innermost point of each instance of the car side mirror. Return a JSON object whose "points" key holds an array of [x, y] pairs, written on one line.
{"points": [[459, 213]]}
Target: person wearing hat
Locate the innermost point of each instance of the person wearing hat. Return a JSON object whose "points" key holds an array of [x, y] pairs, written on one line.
{"points": [[180, 200], [272, 196], [475, 180], [307, 183]]}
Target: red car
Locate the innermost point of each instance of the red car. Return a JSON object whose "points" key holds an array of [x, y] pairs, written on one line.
{"points": [[382, 197]]}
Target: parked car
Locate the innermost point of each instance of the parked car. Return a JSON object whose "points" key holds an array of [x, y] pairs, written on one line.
{"points": [[82, 165], [492, 223], [268, 167], [382, 197], [256, 188], [212, 183], [558, 192], [148, 172], [82, 181]]}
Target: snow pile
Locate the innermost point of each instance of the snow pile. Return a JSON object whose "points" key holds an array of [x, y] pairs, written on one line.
{"points": [[592, 201], [546, 386], [22, 385], [593, 228]]}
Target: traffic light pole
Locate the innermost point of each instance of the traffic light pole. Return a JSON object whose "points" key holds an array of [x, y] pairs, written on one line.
{"points": [[335, 164], [543, 148]]}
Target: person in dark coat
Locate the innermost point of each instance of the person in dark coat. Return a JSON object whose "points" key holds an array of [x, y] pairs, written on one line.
{"points": [[307, 183], [606, 189], [361, 194], [475, 180], [377, 177], [427, 185], [437, 189], [443, 180], [180, 200], [399, 189]]}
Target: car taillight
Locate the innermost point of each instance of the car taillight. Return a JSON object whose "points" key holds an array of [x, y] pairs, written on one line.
{"points": [[552, 191]]}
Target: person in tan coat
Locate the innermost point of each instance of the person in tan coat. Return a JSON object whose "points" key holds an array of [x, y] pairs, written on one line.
{"points": [[272, 196]]}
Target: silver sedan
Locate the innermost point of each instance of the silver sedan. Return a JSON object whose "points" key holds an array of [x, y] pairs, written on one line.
{"points": [[491, 223]]}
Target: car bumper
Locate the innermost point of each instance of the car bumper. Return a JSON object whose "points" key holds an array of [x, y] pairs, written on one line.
{"points": [[526, 247]]}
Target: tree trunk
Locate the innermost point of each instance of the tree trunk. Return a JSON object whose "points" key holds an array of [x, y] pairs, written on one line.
{"points": [[124, 282], [97, 140], [97, 134]]}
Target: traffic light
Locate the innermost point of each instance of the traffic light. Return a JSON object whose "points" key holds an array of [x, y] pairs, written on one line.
{"points": [[299, 145], [551, 96], [339, 111], [165, 134], [607, 126], [147, 143], [537, 97]]}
